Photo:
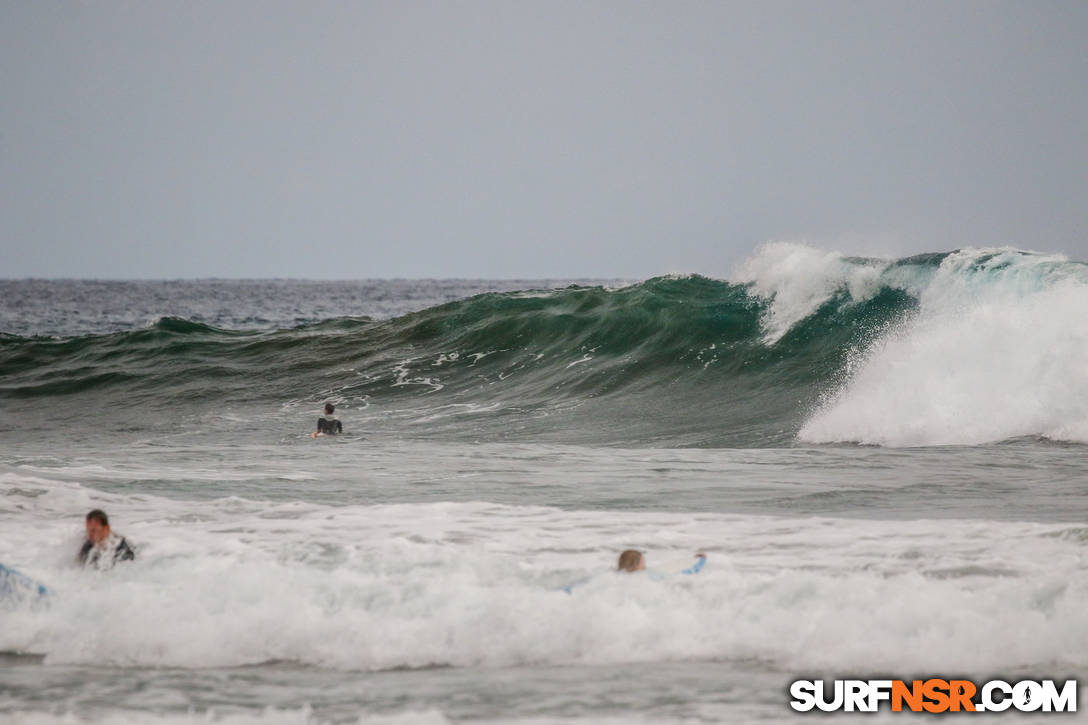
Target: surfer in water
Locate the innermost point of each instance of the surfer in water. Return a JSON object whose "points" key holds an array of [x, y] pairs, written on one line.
{"points": [[103, 548], [328, 425], [632, 560]]}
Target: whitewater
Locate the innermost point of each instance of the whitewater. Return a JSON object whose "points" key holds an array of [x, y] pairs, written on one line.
{"points": [[883, 460]]}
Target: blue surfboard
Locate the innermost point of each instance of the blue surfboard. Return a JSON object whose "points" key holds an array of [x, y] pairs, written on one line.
{"points": [[17, 588]]}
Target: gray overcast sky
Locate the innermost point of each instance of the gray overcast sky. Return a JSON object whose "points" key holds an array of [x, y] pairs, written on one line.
{"points": [[531, 139]]}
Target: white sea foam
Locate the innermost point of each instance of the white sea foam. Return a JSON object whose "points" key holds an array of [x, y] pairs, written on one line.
{"points": [[266, 716], [233, 582], [798, 279], [734, 713], [997, 350], [403, 372]]}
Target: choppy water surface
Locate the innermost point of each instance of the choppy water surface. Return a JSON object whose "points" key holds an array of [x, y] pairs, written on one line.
{"points": [[883, 460]]}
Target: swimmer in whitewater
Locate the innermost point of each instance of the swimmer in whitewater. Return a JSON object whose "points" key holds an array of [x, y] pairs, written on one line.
{"points": [[103, 547], [632, 560]]}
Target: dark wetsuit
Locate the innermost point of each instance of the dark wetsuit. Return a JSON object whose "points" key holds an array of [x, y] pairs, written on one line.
{"points": [[90, 555], [329, 426]]}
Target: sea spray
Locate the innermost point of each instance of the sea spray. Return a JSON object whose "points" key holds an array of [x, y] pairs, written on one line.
{"points": [[995, 351]]}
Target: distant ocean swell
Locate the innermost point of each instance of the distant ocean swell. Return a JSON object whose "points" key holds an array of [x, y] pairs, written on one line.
{"points": [[962, 347]]}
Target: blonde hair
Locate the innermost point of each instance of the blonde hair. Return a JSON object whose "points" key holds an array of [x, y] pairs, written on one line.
{"points": [[629, 560]]}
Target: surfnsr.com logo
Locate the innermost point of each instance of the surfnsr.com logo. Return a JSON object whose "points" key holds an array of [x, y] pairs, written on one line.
{"points": [[933, 695]]}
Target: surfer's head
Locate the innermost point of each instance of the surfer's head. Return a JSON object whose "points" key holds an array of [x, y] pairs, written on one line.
{"points": [[98, 526], [329, 408], [631, 560]]}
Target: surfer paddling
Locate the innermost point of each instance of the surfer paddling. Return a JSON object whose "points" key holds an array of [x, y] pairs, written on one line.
{"points": [[103, 547], [328, 425], [632, 560]]}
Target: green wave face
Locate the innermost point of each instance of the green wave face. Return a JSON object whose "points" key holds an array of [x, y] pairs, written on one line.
{"points": [[673, 361]]}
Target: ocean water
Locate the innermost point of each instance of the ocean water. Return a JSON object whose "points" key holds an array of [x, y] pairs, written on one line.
{"points": [[885, 461]]}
